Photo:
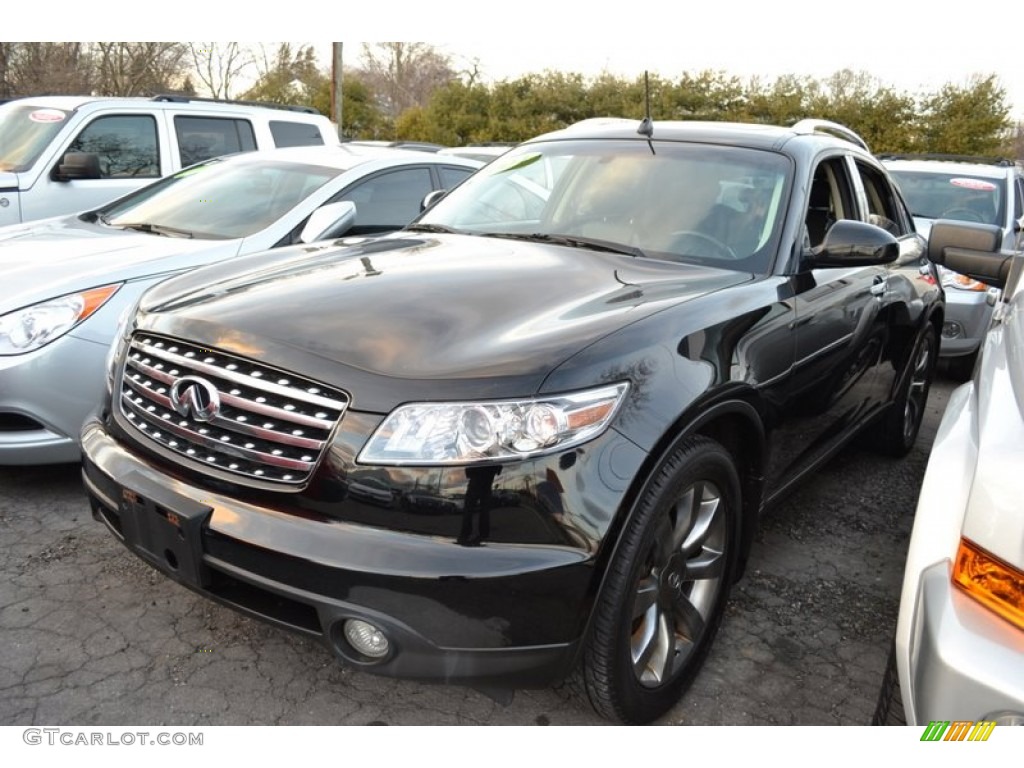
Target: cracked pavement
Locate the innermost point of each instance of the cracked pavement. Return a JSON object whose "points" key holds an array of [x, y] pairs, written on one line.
{"points": [[93, 636]]}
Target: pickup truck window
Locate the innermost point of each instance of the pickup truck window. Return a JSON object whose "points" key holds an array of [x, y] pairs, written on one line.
{"points": [[200, 138], [289, 134], [125, 144]]}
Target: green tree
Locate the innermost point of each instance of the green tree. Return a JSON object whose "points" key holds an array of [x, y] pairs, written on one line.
{"points": [[292, 78], [457, 113], [964, 120], [361, 116], [707, 95]]}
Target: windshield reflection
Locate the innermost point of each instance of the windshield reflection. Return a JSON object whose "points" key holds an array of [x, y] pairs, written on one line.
{"points": [[690, 203], [223, 198]]}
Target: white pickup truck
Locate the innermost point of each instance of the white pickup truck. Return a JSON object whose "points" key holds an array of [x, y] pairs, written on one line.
{"points": [[63, 154]]}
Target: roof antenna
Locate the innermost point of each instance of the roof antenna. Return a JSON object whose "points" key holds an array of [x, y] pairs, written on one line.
{"points": [[647, 125]]}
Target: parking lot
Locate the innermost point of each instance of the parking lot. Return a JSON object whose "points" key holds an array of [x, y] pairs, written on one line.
{"points": [[92, 636]]}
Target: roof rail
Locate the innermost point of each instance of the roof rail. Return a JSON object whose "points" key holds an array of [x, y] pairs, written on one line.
{"points": [[981, 159], [182, 98], [814, 125]]}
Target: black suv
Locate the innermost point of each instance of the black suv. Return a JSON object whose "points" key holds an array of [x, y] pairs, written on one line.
{"points": [[531, 435]]}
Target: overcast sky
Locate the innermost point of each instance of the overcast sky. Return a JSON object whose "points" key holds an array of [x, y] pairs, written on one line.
{"points": [[911, 45]]}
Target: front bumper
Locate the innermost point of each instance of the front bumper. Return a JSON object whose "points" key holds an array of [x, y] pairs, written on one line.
{"points": [[491, 614], [965, 662], [968, 316], [45, 397]]}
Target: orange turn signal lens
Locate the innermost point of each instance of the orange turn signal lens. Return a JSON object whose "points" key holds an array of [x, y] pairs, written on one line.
{"points": [[992, 582]]}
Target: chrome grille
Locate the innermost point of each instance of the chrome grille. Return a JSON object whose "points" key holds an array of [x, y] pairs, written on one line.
{"points": [[269, 426]]}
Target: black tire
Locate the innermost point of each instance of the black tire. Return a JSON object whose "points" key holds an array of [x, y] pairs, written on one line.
{"points": [[894, 434], [889, 710], [666, 586]]}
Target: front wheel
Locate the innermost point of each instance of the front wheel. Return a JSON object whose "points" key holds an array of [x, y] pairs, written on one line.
{"points": [[666, 587]]}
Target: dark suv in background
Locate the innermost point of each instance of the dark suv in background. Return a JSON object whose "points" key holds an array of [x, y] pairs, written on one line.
{"points": [[970, 189], [573, 385]]}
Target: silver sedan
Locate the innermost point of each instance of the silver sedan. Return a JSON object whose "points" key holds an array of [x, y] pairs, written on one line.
{"points": [[67, 280]]}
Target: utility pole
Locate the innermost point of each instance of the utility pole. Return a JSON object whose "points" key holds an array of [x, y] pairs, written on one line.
{"points": [[336, 96]]}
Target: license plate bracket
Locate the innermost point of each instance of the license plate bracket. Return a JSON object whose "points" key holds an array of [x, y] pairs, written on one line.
{"points": [[165, 529]]}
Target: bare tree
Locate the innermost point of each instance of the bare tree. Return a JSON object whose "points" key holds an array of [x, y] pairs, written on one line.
{"points": [[404, 75], [218, 66], [42, 68], [139, 69]]}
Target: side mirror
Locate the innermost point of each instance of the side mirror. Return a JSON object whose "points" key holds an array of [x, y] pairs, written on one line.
{"points": [[970, 249], [77, 165], [851, 243], [432, 198], [327, 221]]}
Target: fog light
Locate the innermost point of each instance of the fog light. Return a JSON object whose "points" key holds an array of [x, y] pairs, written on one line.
{"points": [[366, 639], [952, 330], [1005, 718]]}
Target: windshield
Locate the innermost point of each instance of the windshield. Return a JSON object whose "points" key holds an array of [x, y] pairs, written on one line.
{"points": [[25, 131], [680, 202], [952, 196], [222, 198]]}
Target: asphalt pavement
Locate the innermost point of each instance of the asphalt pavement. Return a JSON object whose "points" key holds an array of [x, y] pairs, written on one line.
{"points": [[93, 636]]}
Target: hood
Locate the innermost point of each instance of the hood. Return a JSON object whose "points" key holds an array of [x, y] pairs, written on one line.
{"points": [[415, 310], [43, 259]]}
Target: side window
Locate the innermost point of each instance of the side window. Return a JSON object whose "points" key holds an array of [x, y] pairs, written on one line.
{"points": [[287, 134], [830, 199], [451, 176], [884, 209], [1018, 211], [126, 146], [200, 138], [388, 200]]}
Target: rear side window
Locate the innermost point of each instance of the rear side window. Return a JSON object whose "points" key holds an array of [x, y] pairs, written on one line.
{"points": [[200, 138], [452, 176], [387, 201], [289, 134], [125, 144]]}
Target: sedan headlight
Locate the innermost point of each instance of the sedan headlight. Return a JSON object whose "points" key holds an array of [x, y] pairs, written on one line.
{"points": [[29, 328], [464, 433]]}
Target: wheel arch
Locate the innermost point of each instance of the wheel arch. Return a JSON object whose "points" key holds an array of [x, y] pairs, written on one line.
{"points": [[734, 421]]}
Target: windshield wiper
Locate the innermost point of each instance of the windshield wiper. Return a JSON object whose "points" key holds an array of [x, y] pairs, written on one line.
{"points": [[573, 241], [157, 229]]}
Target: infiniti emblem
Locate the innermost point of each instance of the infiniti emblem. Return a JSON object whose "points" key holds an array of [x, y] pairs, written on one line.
{"points": [[195, 396]]}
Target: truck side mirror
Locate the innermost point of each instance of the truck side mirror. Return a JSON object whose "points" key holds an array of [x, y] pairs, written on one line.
{"points": [[77, 165]]}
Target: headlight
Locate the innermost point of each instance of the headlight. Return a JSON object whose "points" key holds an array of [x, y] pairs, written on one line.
{"points": [[990, 581], [951, 279], [463, 433], [27, 329]]}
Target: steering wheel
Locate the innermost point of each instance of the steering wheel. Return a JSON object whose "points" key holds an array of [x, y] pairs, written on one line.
{"points": [[962, 214], [702, 241]]}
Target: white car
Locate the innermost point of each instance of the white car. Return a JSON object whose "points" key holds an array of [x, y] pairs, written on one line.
{"points": [[67, 280], [959, 648], [63, 154]]}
